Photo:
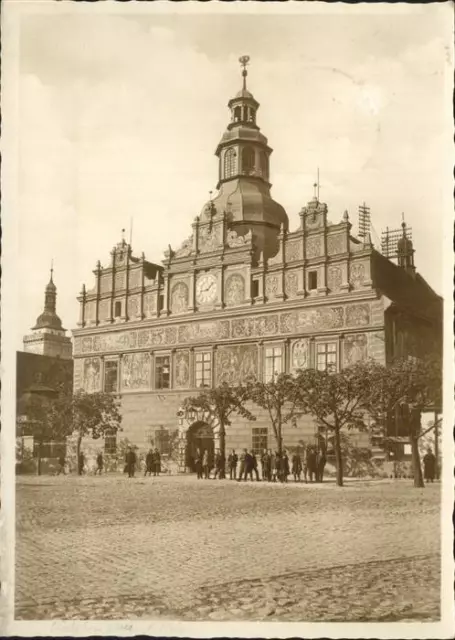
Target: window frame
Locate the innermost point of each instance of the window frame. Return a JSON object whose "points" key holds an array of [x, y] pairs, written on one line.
{"points": [[107, 363], [258, 440], [158, 377], [118, 305], [202, 353], [110, 450], [314, 273], [330, 367], [274, 346]]}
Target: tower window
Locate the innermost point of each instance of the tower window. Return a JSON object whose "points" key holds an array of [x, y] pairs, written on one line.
{"points": [[312, 280], [229, 163], [237, 114], [248, 160], [118, 309]]}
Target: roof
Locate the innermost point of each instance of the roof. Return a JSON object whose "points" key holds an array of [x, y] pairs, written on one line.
{"points": [[409, 291], [48, 320]]}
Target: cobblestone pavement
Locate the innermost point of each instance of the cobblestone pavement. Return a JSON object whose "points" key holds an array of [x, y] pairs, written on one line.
{"points": [[175, 547]]}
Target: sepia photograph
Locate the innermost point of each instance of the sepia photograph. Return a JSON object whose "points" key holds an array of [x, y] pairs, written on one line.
{"points": [[227, 303]]}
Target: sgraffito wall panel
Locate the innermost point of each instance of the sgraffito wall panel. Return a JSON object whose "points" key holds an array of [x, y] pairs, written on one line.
{"points": [[293, 250], [306, 320], [78, 374], [136, 370], [135, 278], [355, 349], [272, 285], [106, 283], [134, 306], [291, 283], [104, 310], [179, 297], [314, 246], [92, 375], [357, 274], [236, 364], [234, 289], [300, 354], [336, 244], [182, 369], [334, 278], [150, 304]]}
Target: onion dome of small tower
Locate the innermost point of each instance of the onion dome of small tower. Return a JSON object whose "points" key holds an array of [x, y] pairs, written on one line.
{"points": [[244, 175], [49, 318]]}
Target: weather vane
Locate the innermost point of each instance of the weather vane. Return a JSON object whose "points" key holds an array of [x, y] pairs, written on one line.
{"points": [[244, 61]]}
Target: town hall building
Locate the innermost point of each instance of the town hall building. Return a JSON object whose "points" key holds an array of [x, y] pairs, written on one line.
{"points": [[249, 292]]}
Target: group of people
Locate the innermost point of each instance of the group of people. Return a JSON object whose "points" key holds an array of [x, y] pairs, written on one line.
{"points": [[275, 467]]}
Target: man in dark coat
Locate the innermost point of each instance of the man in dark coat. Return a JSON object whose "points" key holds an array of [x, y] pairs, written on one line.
{"points": [[249, 465], [429, 466], [266, 462], [219, 465], [296, 466], [232, 464], [285, 470], [130, 460], [156, 463], [320, 465], [99, 463], [149, 463], [276, 467], [311, 463]]}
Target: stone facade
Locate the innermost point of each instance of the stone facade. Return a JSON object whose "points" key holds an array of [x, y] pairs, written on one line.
{"points": [[241, 289]]}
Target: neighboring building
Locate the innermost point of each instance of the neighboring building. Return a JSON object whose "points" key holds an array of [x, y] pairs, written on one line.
{"points": [[244, 295], [42, 369], [49, 337]]}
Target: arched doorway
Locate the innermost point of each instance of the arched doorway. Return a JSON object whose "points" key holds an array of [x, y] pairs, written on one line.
{"points": [[199, 436]]}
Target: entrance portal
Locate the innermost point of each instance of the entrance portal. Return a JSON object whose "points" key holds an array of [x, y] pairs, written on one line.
{"points": [[199, 436]]}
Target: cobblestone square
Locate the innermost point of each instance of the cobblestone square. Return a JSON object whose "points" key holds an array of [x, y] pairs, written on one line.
{"points": [[175, 547]]}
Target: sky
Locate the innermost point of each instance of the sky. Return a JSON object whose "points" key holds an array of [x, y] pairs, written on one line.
{"points": [[119, 116]]}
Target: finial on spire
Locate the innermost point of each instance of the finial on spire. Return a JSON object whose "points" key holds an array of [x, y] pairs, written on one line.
{"points": [[52, 269], [316, 187], [244, 61], [123, 236]]}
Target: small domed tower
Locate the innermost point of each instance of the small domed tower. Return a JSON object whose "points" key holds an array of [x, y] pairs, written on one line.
{"points": [[405, 251], [244, 176], [49, 337]]}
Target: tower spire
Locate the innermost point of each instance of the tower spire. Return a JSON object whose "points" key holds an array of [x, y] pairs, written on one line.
{"points": [[52, 270], [244, 61]]}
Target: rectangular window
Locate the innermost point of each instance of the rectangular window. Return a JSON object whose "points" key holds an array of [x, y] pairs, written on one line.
{"points": [[111, 376], [162, 441], [273, 362], [326, 356], [161, 302], [312, 280], [110, 444], [162, 372], [255, 288], [259, 440], [203, 369]]}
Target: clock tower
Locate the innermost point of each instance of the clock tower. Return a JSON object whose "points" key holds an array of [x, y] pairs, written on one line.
{"points": [[244, 176]]}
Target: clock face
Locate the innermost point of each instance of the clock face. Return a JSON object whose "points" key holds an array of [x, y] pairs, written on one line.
{"points": [[206, 289]]}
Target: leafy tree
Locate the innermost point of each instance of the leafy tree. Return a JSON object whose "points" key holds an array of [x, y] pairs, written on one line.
{"points": [[92, 415], [41, 418], [279, 398], [337, 401], [409, 385], [221, 402]]}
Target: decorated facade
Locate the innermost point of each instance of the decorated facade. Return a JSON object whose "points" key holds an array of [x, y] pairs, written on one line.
{"points": [[247, 293]]}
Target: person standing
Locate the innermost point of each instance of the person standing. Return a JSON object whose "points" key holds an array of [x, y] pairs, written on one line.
{"points": [[149, 463], [242, 464], [81, 463], [285, 466], [205, 464], [276, 467], [429, 466], [249, 465], [61, 465], [321, 460], [266, 465], [156, 462], [198, 464], [296, 466], [311, 463], [254, 463], [130, 460], [99, 463], [232, 464], [304, 458]]}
